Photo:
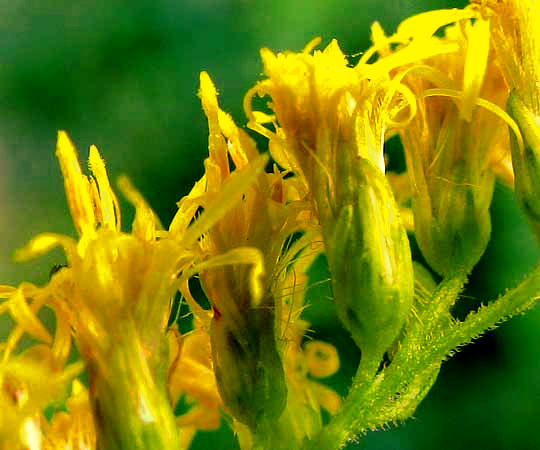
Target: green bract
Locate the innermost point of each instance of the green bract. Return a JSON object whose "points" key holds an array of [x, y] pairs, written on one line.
{"points": [[370, 263]]}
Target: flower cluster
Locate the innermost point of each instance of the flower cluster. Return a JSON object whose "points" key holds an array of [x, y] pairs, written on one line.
{"points": [[459, 87]]}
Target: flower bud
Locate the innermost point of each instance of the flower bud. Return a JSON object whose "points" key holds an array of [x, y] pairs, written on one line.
{"points": [[454, 232], [248, 369], [370, 263], [452, 146]]}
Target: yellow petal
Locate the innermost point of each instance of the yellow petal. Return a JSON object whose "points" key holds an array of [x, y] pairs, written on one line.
{"points": [[232, 191], [240, 146], [480, 102], [201, 315], [425, 25], [76, 185], [146, 221], [45, 242], [475, 66], [322, 359], [108, 202], [6, 291], [239, 255], [412, 53], [77, 388], [327, 398], [27, 319], [187, 208], [280, 154], [379, 39], [312, 44], [420, 29], [31, 433], [217, 148], [62, 337]]}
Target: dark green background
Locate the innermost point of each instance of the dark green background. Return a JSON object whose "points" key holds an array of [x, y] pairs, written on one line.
{"points": [[125, 78]]}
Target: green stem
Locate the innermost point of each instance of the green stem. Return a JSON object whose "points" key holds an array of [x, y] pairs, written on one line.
{"points": [[394, 393], [515, 301], [404, 406], [434, 318], [129, 399]]}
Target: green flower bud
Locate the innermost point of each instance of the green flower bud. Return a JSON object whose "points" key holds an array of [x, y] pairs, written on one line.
{"points": [[453, 232], [526, 160], [248, 369], [370, 263]]}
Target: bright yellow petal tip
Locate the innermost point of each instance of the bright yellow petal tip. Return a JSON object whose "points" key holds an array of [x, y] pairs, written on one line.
{"points": [[107, 199], [77, 186], [27, 319], [475, 65]]}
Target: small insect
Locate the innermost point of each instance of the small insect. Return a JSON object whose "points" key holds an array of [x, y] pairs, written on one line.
{"points": [[56, 268]]}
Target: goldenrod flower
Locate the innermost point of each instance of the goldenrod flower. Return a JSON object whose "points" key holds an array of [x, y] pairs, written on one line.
{"points": [[329, 128], [115, 293], [514, 27], [453, 144], [246, 359], [191, 372], [514, 31], [112, 276], [327, 114]]}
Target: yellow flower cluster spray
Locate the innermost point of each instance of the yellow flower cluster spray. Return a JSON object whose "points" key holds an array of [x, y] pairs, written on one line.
{"points": [[459, 87]]}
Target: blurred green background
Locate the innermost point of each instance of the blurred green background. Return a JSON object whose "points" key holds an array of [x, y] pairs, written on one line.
{"points": [[125, 76]]}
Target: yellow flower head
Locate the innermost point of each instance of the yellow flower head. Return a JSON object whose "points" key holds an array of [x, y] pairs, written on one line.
{"points": [[111, 276], [116, 292], [514, 32], [453, 144], [252, 232], [327, 113], [316, 99], [515, 28]]}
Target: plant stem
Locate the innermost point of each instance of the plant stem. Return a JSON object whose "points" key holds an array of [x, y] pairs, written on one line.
{"points": [[515, 301], [129, 399], [394, 393]]}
